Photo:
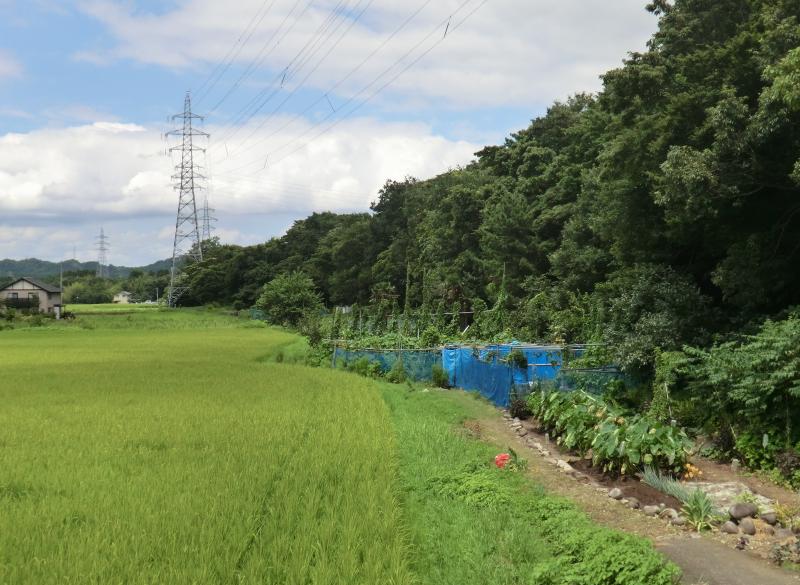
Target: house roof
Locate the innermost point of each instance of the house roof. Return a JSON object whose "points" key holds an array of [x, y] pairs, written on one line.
{"points": [[123, 292], [37, 283]]}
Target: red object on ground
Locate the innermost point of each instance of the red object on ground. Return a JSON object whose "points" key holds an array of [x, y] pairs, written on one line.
{"points": [[501, 460]]}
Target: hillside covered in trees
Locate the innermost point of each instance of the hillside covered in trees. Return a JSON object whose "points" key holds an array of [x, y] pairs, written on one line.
{"points": [[662, 211]]}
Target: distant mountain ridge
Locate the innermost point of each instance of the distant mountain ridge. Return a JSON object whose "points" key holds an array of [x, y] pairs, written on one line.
{"points": [[36, 268]]}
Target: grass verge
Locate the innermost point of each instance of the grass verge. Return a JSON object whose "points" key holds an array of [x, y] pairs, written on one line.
{"points": [[469, 522]]}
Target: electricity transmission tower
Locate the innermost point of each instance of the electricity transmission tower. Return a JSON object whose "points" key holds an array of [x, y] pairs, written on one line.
{"points": [[207, 220], [102, 254], [187, 245]]}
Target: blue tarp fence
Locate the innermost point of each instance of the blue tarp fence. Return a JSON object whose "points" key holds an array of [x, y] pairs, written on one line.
{"points": [[486, 369], [418, 363]]}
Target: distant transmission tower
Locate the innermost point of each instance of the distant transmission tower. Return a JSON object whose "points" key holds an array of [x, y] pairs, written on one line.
{"points": [[102, 254], [207, 218], [187, 245]]}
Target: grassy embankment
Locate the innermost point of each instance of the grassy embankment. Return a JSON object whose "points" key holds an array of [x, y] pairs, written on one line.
{"points": [[166, 448]]}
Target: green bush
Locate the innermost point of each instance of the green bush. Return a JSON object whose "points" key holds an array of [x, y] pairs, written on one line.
{"points": [[288, 297], [517, 359], [397, 375], [619, 444], [431, 337], [439, 377], [363, 366], [518, 407]]}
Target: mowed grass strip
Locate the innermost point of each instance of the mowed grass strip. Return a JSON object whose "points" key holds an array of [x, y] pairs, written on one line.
{"points": [[469, 522], [177, 456]]}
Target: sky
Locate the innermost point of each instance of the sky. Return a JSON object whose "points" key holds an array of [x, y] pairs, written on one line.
{"points": [[310, 105]]}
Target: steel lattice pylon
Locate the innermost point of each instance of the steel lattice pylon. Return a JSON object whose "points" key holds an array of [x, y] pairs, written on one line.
{"points": [[102, 255], [188, 240]]}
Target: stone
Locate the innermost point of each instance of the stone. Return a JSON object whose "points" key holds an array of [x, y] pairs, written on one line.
{"points": [[633, 503], [589, 455], [551, 461], [615, 494], [661, 506], [522, 431], [735, 465], [679, 521], [742, 510], [747, 526], [668, 514], [768, 530], [651, 510], [770, 518], [729, 528], [517, 421], [563, 465]]}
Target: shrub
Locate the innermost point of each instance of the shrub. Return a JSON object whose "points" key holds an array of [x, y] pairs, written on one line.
{"points": [[397, 375], [288, 297], [431, 337], [517, 359], [363, 366], [439, 377], [518, 406]]}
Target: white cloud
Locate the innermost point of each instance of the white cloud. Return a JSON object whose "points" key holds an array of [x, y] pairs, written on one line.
{"points": [[9, 66], [508, 53], [85, 176]]}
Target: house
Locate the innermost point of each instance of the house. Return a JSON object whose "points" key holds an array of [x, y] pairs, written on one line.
{"points": [[28, 293], [123, 297]]}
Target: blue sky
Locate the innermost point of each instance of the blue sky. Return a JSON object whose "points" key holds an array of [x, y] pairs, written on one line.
{"points": [[86, 86]]}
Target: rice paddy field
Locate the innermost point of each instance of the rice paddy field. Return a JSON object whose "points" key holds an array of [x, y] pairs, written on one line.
{"points": [[170, 447]]}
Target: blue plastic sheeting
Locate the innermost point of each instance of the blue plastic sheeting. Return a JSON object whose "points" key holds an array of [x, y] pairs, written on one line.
{"points": [[418, 363], [484, 369]]}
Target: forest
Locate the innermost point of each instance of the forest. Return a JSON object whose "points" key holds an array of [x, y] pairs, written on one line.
{"points": [[659, 218]]}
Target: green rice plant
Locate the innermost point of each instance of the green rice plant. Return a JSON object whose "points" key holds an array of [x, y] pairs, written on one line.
{"points": [[166, 449], [133, 453]]}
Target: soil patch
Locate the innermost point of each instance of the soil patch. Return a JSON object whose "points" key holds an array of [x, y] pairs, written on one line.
{"points": [[631, 487]]}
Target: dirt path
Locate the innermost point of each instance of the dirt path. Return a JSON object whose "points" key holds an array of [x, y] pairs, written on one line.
{"points": [[710, 559]]}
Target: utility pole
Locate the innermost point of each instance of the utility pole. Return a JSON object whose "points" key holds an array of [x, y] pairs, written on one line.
{"points": [[187, 245], [102, 254]]}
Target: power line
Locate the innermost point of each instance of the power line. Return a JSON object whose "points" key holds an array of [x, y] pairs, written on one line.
{"points": [[309, 74], [228, 60], [263, 53], [288, 72], [353, 71], [441, 25]]}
